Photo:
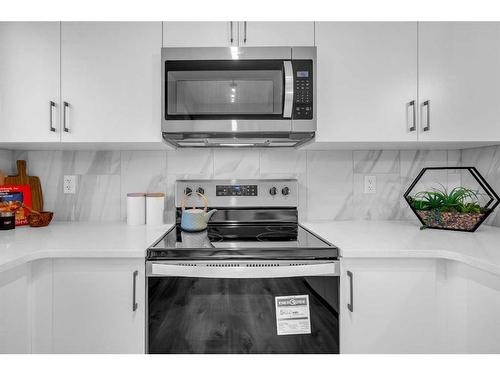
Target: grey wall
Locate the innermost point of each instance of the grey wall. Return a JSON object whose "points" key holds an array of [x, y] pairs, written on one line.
{"points": [[331, 182]]}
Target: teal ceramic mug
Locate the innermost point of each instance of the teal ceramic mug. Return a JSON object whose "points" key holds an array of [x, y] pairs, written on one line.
{"points": [[195, 219]]}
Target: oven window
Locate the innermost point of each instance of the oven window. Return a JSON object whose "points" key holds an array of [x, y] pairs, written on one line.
{"points": [[224, 89], [205, 315]]}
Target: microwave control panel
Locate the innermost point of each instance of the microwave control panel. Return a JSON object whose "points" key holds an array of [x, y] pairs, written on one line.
{"points": [[303, 89]]}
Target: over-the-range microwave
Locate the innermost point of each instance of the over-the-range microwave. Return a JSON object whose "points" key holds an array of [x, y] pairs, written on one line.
{"points": [[249, 96]]}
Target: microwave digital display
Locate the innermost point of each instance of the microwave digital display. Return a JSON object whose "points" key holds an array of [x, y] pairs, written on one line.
{"points": [[302, 74]]}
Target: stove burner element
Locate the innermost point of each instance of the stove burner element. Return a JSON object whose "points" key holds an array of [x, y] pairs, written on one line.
{"points": [[276, 236]]}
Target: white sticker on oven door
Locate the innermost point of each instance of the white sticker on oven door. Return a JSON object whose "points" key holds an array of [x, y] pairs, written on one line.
{"points": [[292, 315]]}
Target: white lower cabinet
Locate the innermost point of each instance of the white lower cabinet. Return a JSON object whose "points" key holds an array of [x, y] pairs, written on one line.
{"points": [[394, 306], [470, 307], [15, 311], [73, 306], [93, 306]]}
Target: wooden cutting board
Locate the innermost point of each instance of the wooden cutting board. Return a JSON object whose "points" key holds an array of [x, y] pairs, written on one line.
{"points": [[23, 179]]}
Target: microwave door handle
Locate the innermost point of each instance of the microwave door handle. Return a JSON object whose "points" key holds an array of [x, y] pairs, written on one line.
{"points": [[244, 272], [288, 105]]}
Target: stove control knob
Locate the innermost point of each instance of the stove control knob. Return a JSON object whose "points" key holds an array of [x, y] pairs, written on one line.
{"points": [[200, 190], [187, 190], [273, 191], [285, 190]]}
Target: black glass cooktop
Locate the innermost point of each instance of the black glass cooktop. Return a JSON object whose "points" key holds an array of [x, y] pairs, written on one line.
{"points": [[283, 241]]}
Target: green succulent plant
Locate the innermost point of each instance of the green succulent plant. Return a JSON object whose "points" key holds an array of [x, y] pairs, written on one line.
{"points": [[459, 199]]}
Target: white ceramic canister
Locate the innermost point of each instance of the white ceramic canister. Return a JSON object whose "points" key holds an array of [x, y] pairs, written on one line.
{"points": [[155, 203], [136, 208]]}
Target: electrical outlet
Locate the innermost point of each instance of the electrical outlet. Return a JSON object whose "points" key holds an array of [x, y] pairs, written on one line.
{"points": [[69, 184], [370, 184]]}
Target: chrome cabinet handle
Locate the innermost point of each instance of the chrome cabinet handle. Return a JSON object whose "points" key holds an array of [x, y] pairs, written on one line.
{"points": [[412, 126], [245, 32], [427, 106], [51, 125], [350, 305], [231, 27], [65, 105], [134, 302]]}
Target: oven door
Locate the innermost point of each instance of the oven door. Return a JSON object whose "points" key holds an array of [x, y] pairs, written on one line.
{"points": [[243, 307]]}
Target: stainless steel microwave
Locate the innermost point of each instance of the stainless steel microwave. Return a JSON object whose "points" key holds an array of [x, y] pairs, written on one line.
{"points": [[249, 96]]}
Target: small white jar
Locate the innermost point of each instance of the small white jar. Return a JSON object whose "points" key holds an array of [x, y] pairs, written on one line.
{"points": [[136, 208], [155, 204]]}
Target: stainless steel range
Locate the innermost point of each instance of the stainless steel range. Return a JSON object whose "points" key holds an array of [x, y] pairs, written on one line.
{"points": [[254, 281]]}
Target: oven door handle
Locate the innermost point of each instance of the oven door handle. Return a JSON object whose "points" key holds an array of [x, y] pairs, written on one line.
{"points": [[288, 104], [243, 272]]}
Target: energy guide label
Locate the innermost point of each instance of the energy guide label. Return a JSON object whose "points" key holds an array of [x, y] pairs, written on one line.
{"points": [[292, 315]]}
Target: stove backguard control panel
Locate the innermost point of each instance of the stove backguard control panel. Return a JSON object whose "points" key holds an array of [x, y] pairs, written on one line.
{"points": [[239, 193], [236, 190]]}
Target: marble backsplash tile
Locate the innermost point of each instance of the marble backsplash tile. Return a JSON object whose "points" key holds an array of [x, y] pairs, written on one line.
{"points": [[6, 161], [331, 183], [487, 162]]}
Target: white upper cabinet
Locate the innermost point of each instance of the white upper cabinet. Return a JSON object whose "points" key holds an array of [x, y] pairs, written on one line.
{"points": [[110, 78], [366, 81], [200, 34], [459, 76], [29, 81], [261, 34], [242, 33]]}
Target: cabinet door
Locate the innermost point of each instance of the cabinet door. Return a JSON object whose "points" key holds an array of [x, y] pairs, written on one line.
{"points": [[92, 306], [110, 77], [367, 76], [29, 81], [15, 311], [394, 306], [459, 74], [259, 34], [200, 34]]}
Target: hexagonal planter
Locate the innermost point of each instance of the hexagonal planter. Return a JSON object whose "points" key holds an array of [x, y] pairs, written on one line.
{"points": [[459, 208]]}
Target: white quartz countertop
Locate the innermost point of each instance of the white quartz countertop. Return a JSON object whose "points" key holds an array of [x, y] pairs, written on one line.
{"points": [[404, 239], [356, 239], [76, 240]]}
